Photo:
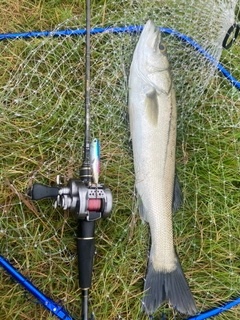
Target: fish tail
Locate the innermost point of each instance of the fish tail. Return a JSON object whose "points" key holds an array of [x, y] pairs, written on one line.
{"points": [[168, 286]]}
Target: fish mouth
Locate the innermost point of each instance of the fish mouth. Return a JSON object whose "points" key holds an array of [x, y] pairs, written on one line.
{"points": [[153, 35]]}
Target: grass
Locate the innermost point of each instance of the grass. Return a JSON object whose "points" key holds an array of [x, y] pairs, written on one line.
{"points": [[42, 112]]}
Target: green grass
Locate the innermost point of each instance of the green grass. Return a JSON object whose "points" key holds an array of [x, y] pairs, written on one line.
{"points": [[42, 125]]}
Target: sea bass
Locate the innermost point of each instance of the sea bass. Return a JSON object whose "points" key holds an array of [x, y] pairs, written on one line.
{"points": [[153, 116]]}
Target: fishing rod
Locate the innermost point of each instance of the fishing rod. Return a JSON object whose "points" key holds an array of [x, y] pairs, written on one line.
{"points": [[85, 197]]}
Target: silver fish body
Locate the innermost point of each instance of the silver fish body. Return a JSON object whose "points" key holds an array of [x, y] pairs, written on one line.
{"points": [[153, 116]]}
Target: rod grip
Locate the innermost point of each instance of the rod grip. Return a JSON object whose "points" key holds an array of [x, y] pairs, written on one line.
{"points": [[85, 250]]}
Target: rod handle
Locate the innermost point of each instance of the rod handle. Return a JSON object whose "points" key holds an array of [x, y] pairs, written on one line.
{"points": [[85, 250]]}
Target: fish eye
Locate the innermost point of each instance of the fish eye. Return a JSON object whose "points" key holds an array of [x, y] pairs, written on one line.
{"points": [[162, 47]]}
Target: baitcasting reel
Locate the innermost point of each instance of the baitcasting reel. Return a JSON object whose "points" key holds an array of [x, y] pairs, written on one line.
{"points": [[86, 201]]}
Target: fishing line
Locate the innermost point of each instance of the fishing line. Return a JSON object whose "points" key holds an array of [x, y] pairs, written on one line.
{"points": [[130, 29]]}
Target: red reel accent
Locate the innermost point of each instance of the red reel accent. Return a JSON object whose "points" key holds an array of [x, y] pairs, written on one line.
{"points": [[94, 204]]}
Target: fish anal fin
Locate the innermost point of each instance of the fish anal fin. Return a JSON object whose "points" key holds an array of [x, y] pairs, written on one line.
{"points": [[177, 195], [142, 210]]}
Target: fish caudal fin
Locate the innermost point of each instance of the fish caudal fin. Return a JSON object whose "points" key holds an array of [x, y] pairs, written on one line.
{"points": [[168, 286]]}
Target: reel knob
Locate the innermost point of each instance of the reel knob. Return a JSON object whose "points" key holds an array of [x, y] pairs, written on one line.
{"points": [[40, 191]]}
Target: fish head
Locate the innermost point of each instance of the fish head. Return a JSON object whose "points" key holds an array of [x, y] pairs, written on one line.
{"points": [[153, 49], [152, 61]]}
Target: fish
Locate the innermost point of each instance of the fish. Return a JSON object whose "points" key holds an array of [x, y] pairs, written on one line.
{"points": [[153, 130], [95, 159]]}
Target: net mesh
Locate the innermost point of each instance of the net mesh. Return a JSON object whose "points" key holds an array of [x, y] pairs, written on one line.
{"points": [[42, 134]]}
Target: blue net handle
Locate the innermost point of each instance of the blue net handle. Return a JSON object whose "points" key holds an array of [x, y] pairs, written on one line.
{"points": [[57, 310]]}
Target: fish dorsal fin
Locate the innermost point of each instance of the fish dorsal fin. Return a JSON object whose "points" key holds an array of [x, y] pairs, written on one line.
{"points": [[151, 104]]}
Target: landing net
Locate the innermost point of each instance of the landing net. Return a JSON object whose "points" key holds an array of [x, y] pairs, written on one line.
{"points": [[42, 132]]}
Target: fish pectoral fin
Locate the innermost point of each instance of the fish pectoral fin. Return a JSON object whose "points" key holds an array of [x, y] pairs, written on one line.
{"points": [[151, 106], [149, 90], [177, 195]]}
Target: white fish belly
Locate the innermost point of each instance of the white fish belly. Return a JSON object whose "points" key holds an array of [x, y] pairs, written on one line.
{"points": [[154, 161]]}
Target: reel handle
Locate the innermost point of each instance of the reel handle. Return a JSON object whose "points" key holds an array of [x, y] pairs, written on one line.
{"points": [[39, 191]]}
